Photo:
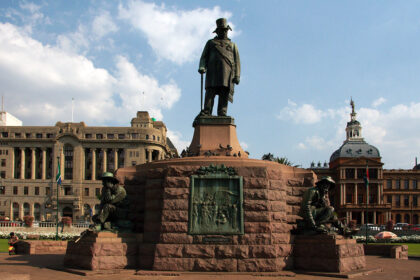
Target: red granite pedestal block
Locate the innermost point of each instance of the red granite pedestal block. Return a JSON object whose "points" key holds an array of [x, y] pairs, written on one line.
{"points": [[103, 251], [328, 253]]}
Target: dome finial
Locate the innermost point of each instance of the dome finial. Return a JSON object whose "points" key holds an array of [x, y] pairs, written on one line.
{"points": [[352, 105]]}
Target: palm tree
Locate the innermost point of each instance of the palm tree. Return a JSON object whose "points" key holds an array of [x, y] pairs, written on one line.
{"points": [[281, 160]]}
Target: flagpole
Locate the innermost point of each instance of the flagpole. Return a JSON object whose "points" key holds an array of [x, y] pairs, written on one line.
{"points": [[56, 218]]}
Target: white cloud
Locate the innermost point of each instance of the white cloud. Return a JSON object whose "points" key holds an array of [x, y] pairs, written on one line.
{"points": [[39, 81], [306, 113], [103, 24], [301, 146], [378, 102], [175, 35], [75, 42], [244, 145], [177, 139]]}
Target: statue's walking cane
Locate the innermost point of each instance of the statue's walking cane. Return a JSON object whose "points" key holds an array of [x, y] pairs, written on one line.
{"points": [[201, 103]]}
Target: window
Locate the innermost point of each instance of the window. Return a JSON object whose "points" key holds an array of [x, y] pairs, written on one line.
{"points": [[137, 154], [349, 198], [373, 173], [398, 184], [68, 162], [349, 173], [38, 135], [3, 174], [147, 136], [406, 184], [121, 136], [86, 192], [361, 173], [67, 191], [110, 136], [406, 200], [133, 163], [135, 135], [5, 134], [47, 191], [99, 136], [360, 198], [415, 184], [25, 190], [50, 135], [389, 198], [18, 135], [2, 189], [15, 190], [158, 138], [389, 184], [154, 137], [2, 213], [414, 200], [97, 192], [27, 135], [3, 162], [88, 136], [397, 200], [36, 190]]}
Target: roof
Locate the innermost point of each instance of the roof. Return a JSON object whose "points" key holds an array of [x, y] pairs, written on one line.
{"points": [[355, 149], [416, 167]]}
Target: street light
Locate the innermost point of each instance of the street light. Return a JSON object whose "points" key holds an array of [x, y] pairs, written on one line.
{"points": [[58, 180]]}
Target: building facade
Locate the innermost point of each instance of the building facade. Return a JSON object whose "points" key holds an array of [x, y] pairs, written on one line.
{"points": [[29, 157], [391, 194]]}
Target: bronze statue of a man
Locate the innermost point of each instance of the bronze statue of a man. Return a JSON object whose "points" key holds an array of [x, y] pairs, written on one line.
{"points": [[220, 61], [316, 210], [113, 203]]}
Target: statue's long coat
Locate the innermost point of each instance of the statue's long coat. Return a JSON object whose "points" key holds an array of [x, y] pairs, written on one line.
{"points": [[220, 59]]}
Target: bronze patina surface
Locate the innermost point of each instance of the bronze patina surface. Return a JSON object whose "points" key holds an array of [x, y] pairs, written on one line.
{"points": [[220, 61], [216, 201]]}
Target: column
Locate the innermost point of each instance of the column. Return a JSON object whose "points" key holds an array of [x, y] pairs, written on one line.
{"points": [[11, 209], [22, 163], [104, 160], [31, 210], [115, 159], [150, 155], [62, 159], [355, 194], [362, 220], [93, 151], [374, 217], [12, 162], [341, 195], [379, 194], [33, 156], [344, 195], [44, 163], [351, 215]]}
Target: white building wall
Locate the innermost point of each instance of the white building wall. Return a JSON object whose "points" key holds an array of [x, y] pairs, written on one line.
{"points": [[7, 119]]}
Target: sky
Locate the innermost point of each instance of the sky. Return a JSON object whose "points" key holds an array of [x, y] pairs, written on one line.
{"points": [[302, 62]]}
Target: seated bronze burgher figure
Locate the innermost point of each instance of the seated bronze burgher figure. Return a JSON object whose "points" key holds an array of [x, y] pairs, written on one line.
{"points": [[318, 216], [114, 208]]}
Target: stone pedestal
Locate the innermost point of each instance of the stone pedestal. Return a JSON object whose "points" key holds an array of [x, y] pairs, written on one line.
{"points": [[216, 136], [328, 253], [103, 251], [159, 195]]}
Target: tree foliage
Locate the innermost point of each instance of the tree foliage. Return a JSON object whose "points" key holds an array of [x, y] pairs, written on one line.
{"points": [[281, 160]]}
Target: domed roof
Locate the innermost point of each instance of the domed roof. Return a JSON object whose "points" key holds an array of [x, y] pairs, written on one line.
{"points": [[354, 149], [416, 167]]}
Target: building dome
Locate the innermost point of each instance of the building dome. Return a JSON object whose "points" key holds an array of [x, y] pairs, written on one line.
{"points": [[416, 167], [353, 149], [354, 146]]}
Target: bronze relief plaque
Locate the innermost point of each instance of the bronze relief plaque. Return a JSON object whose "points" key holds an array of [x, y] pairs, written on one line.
{"points": [[216, 202]]}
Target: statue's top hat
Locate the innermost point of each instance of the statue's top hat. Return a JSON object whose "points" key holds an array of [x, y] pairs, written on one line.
{"points": [[327, 179], [221, 23], [109, 176]]}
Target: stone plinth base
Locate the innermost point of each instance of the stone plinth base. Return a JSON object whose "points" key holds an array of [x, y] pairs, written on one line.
{"points": [[103, 251], [215, 136], [35, 247], [328, 253]]}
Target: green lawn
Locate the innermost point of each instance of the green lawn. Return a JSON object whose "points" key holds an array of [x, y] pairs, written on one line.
{"points": [[4, 247], [413, 248]]}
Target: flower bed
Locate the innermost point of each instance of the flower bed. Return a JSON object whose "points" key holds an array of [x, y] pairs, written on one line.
{"points": [[39, 236], [401, 239]]}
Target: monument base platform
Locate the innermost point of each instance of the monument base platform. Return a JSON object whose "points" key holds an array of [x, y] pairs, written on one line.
{"points": [[215, 136], [103, 251], [328, 253]]}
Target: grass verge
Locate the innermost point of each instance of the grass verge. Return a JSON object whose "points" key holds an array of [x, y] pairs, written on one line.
{"points": [[413, 248]]}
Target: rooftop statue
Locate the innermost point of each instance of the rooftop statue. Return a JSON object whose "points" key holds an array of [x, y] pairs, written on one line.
{"points": [[220, 61], [114, 207], [316, 211]]}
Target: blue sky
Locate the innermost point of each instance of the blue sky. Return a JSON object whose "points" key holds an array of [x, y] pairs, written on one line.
{"points": [[301, 63]]}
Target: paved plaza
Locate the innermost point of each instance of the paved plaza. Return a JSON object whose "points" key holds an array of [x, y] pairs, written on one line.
{"points": [[40, 267]]}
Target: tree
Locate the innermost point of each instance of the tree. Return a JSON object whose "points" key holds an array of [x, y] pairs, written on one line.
{"points": [[281, 160]]}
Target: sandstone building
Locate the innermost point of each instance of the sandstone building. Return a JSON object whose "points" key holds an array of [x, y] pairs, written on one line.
{"points": [[29, 158], [393, 194]]}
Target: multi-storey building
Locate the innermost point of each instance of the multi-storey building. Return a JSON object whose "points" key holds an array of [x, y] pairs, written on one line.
{"points": [[391, 194], [29, 157]]}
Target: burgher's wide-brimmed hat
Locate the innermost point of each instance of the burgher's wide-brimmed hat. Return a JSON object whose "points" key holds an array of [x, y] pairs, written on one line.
{"points": [[327, 179], [109, 176], [221, 23]]}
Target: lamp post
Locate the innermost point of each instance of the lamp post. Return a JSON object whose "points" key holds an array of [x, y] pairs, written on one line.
{"points": [[58, 180]]}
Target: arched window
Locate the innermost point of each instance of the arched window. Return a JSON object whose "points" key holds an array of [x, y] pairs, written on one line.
{"points": [[26, 209], [407, 218], [15, 211], [68, 162], [398, 218], [147, 136], [37, 212]]}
